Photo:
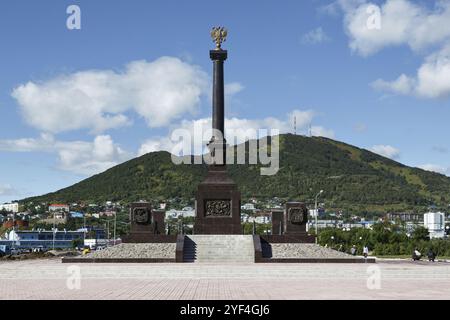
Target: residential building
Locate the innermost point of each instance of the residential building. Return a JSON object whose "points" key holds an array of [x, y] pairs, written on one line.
{"points": [[41, 239], [59, 207], [248, 206], [75, 214], [435, 223], [7, 224], [404, 217], [10, 207], [177, 213], [108, 213]]}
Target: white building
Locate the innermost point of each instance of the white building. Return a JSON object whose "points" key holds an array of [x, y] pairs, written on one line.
{"points": [[177, 213], [435, 223], [313, 213], [248, 206], [59, 207], [261, 219], [10, 207]]}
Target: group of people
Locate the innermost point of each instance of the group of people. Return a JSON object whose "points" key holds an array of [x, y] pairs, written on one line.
{"points": [[365, 251], [416, 256]]}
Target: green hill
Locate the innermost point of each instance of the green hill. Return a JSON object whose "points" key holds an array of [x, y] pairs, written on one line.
{"points": [[352, 178]]}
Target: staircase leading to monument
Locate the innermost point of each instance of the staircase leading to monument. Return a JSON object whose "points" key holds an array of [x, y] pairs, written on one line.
{"points": [[219, 248]]}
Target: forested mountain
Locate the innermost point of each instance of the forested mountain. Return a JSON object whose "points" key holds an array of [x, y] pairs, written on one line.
{"points": [[352, 178]]}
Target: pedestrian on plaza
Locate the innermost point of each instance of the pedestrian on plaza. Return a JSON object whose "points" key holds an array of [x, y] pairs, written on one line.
{"points": [[416, 256], [365, 251], [353, 250], [431, 255]]}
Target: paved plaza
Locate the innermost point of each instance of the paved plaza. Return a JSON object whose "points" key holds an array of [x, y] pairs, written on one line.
{"points": [[50, 279]]}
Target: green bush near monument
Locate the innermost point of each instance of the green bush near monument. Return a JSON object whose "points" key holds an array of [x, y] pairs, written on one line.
{"points": [[384, 240]]}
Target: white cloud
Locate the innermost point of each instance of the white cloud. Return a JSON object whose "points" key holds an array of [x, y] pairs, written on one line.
{"points": [[403, 85], [44, 143], [7, 190], [156, 144], [233, 88], [403, 22], [318, 131], [432, 79], [79, 157], [435, 168], [315, 36], [237, 130], [386, 151], [88, 158], [159, 91]]}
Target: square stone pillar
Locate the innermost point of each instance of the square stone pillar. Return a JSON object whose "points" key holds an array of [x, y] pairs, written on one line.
{"points": [[277, 222], [295, 218]]}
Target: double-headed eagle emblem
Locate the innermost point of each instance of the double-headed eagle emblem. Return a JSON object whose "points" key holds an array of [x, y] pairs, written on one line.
{"points": [[219, 35]]}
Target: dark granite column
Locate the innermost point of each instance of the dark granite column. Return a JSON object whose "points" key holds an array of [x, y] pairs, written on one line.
{"points": [[217, 144]]}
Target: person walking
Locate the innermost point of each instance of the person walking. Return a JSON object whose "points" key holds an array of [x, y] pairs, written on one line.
{"points": [[365, 252], [353, 250], [416, 255], [431, 255]]}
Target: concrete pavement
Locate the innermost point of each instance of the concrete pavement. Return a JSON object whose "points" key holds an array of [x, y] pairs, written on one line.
{"points": [[50, 279]]}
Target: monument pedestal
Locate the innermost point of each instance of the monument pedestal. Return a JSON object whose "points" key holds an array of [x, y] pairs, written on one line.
{"points": [[218, 204], [147, 225], [289, 226]]}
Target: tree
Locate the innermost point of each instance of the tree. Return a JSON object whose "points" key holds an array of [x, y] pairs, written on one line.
{"points": [[420, 233]]}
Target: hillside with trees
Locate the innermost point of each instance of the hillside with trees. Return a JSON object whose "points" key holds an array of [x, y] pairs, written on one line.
{"points": [[353, 179]]}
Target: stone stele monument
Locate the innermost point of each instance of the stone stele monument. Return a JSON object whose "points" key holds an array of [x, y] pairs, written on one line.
{"points": [[218, 200]]}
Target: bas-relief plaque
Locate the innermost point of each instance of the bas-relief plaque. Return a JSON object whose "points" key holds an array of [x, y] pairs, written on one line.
{"points": [[218, 208], [297, 215], [142, 215]]}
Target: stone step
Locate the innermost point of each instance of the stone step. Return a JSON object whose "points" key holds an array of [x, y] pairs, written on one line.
{"points": [[222, 253], [218, 248], [249, 260], [224, 258]]}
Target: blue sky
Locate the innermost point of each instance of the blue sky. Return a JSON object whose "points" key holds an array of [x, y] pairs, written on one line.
{"points": [[76, 102]]}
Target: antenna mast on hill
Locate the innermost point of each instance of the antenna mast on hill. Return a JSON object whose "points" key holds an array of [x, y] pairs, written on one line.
{"points": [[295, 125]]}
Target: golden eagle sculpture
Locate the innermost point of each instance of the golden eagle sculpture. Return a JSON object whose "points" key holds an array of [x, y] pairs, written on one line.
{"points": [[219, 35]]}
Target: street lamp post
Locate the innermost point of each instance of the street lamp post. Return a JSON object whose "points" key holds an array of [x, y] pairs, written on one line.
{"points": [[84, 228], [316, 215], [107, 232], [54, 226], [115, 224], [14, 231]]}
